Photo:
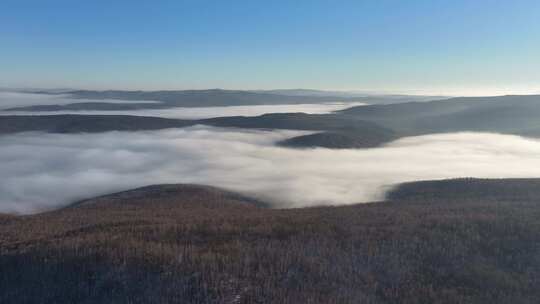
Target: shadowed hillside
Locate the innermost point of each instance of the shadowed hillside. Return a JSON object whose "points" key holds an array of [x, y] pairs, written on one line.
{"points": [[195, 244]]}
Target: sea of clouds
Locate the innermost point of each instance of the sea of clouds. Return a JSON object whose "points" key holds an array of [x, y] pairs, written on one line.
{"points": [[45, 171]]}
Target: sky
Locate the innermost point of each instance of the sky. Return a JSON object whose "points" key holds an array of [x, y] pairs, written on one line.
{"points": [[459, 47]]}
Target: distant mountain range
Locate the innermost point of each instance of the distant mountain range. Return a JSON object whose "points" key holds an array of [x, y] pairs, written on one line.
{"points": [[503, 114], [323, 93], [206, 98]]}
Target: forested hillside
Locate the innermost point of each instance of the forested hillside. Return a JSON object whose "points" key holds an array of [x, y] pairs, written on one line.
{"points": [[194, 244]]}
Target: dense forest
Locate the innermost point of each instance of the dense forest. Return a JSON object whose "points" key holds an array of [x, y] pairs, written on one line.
{"points": [[430, 242]]}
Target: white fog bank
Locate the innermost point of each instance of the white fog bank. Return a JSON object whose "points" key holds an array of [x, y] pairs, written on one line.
{"points": [[43, 171]]}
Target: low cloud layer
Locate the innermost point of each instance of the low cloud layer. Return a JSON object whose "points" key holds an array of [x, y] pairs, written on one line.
{"points": [[209, 112], [44, 171]]}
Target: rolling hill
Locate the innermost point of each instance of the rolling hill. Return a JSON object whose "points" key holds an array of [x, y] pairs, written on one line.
{"points": [[197, 244], [503, 114]]}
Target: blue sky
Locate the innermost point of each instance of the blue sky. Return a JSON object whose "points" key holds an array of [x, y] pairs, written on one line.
{"points": [[436, 47]]}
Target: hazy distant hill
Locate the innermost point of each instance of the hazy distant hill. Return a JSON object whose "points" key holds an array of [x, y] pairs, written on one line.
{"points": [[86, 123], [203, 98], [504, 114], [207, 98], [185, 98], [370, 97], [197, 244], [309, 92]]}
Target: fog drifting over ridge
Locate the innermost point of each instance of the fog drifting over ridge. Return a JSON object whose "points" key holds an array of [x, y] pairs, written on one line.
{"points": [[44, 171]]}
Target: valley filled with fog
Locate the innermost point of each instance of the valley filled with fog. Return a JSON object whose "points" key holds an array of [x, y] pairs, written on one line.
{"points": [[43, 171], [287, 152]]}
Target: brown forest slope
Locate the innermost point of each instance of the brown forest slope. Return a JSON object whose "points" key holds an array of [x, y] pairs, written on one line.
{"points": [[195, 244]]}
